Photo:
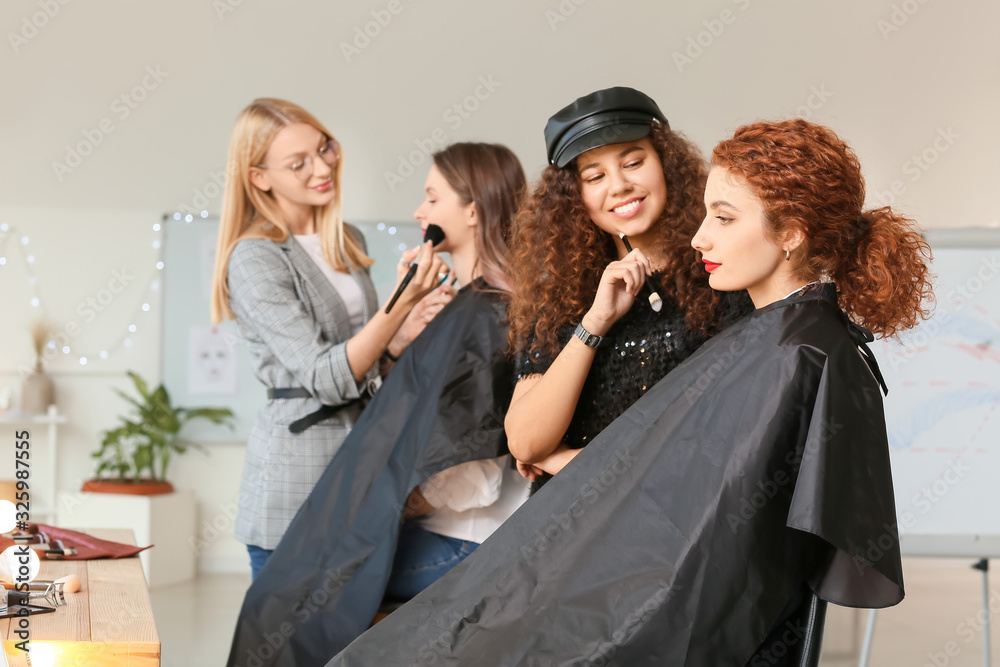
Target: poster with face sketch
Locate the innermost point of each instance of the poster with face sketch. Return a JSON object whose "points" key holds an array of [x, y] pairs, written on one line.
{"points": [[211, 361]]}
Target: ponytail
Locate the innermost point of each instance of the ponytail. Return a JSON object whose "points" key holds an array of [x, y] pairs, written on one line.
{"points": [[807, 177], [884, 281]]}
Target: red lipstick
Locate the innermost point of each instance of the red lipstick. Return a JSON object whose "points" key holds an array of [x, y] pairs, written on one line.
{"points": [[711, 266]]}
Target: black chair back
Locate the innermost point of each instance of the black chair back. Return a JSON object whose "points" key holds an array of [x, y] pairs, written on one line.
{"points": [[796, 640]]}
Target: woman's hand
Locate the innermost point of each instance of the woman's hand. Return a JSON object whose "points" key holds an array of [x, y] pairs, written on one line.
{"points": [[558, 459], [616, 293], [430, 270], [529, 472], [416, 505], [552, 464], [421, 315]]}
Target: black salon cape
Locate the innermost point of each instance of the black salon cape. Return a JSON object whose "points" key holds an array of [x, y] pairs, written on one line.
{"points": [[678, 536], [442, 404]]}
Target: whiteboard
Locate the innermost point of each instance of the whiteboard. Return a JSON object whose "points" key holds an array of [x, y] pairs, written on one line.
{"points": [[189, 260], [942, 411]]}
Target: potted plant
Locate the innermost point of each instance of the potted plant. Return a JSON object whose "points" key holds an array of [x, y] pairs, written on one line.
{"points": [[133, 458]]}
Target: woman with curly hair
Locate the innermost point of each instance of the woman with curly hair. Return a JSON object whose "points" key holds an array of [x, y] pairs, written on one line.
{"points": [[712, 522], [616, 167]]}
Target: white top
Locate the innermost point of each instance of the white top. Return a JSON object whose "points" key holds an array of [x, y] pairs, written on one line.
{"points": [[473, 498], [345, 284]]}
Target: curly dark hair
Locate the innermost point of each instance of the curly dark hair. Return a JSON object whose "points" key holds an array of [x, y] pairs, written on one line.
{"points": [[558, 254], [808, 177]]}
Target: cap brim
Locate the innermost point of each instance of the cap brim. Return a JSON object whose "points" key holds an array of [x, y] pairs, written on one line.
{"points": [[618, 133]]}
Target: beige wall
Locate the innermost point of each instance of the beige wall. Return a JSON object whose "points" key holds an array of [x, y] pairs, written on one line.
{"points": [[897, 78]]}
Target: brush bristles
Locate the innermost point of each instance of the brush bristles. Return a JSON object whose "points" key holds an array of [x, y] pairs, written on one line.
{"points": [[655, 302], [434, 234]]}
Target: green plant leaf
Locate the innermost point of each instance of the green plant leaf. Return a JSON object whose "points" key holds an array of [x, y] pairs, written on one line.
{"points": [[147, 440], [140, 385]]}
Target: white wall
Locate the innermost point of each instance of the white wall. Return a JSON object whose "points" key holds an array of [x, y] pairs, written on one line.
{"points": [[897, 78]]}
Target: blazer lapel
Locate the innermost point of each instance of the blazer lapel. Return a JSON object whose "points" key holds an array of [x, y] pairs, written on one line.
{"points": [[368, 289], [332, 308]]}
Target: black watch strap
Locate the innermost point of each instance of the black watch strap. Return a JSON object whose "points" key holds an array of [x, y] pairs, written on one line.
{"points": [[588, 339]]}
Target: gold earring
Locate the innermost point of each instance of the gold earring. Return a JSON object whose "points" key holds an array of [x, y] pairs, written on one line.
{"points": [[788, 255]]}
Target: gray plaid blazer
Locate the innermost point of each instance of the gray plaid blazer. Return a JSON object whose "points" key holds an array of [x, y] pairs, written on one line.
{"points": [[296, 327]]}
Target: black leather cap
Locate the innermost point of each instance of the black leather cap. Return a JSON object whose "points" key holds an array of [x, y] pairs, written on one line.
{"points": [[609, 116]]}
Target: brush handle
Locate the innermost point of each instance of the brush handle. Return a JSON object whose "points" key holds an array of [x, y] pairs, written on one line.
{"points": [[655, 302], [402, 286]]}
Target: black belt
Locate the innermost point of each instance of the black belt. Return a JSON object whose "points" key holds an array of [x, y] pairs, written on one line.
{"points": [[325, 411], [288, 392]]}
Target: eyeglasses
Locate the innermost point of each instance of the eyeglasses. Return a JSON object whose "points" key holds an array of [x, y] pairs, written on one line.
{"points": [[303, 167]]}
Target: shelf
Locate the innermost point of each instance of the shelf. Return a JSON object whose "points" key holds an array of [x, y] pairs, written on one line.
{"points": [[13, 417]]}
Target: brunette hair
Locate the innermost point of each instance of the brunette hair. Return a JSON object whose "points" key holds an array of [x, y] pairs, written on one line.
{"points": [[248, 212], [558, 254], [808, 178], [490, 176]]}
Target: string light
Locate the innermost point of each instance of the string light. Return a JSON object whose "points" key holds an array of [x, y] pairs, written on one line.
{"points": [[125, 340], [30, 262]]}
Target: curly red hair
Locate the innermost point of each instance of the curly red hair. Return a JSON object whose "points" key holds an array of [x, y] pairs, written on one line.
{"points": [[558, 254], [808, 178]]}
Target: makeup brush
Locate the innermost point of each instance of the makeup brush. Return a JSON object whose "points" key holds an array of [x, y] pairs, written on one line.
{"points": [[435, 235], [655, 302]]}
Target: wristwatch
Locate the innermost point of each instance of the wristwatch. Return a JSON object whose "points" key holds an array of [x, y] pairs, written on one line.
{"points": [[589, 339]]}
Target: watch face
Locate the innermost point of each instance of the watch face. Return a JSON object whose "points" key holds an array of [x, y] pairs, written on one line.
{"points": [[588, 339]]}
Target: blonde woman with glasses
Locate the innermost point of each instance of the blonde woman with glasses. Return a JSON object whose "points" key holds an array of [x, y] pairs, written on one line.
{"points": [[295, 278]]}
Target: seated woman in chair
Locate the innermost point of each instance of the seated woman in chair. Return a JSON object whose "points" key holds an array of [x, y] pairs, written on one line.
{"points": [[750, 479], [431, 443]]}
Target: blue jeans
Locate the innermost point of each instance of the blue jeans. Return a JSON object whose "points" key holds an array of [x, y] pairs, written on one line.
{"points": [[423, 557], [258, 557]]}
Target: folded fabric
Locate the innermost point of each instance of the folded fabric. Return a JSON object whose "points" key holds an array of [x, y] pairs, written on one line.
{"points": [[87, 547], [684, 532]]}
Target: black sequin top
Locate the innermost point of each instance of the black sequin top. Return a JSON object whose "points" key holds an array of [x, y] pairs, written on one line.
{"points": [[638, 350]]}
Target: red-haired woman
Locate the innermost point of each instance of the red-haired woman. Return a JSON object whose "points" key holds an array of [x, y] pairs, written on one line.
{"points": [[707, 523], [616, 167]]}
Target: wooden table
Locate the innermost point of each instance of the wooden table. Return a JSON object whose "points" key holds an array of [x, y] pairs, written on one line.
{"points": [[109, 623]]}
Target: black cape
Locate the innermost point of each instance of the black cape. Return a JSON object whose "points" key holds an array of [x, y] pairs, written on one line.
{"points": [[680, 534], [442, 404]]}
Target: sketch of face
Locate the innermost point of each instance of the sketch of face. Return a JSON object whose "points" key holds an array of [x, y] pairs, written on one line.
{"points": [[212, 365], [214, 357]]}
